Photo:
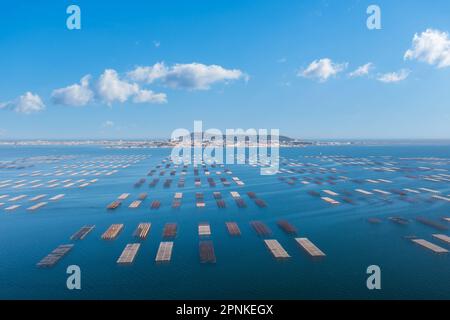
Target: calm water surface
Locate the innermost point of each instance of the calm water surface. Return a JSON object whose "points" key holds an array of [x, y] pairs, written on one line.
{"points": [[244, 269]]}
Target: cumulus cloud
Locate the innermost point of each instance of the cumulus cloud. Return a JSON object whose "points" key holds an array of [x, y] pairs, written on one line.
{"points": [[393, 77], [191, 76], [322, 69], [27, 103], [148, 74], [74, 95], [361, 71], [431, 46], [148, 96], [111, 88]]}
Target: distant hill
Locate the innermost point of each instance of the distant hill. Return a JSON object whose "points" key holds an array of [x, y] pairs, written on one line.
{"points": [[282, 139]]}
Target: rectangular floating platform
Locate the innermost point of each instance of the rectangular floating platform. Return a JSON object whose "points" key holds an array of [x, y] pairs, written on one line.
{"points": [[287, 227], [429, 190], [431, 246], [251, 195], [442, 237], [178, 195], [235, 194], [54, 185], [367, 193], [221, 203], [276, 249], [330, 193], [233, 228], [204, 229], [441, 198], [18, 198], [82, 233], [114, 205], [399, 220], [164, 253], [69, 185], [432, 223], [170, 230], [57, 197], [381, 192], [155, 204], [123, 196], [142, 196], [135, 204], [240, 202], [37, 206], [112, 232], [39, 197], [330, 201], [176, 204], [260, 228], [13, 207], [200, 204], [167, 183], [206, 252], [142, 230], [260, 203], [52, 258], [411, 190], [153, 183], [199, 196], [310, 247], [129, 253]]}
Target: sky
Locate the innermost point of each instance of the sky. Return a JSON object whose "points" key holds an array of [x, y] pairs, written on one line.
{"points": [[141, 69]]}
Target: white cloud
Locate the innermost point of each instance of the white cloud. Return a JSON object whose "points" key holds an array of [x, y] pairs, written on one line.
{"points": [[148, 96], [148, 74], [192, 76], [27, 103], [74, 95], [110, 88], [431, 46], [361, 71], [108, 124], [322, 69], [157, 44], [392, 77]]}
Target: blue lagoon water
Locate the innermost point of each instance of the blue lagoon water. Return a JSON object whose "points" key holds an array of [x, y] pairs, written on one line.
{"points": [[245, 268]]}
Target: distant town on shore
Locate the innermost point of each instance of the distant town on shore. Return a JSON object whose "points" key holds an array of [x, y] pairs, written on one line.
{"points": [[283, 141]]}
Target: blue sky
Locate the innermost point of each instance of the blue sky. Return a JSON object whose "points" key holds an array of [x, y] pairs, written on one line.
{"points": [[254, 68]]}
